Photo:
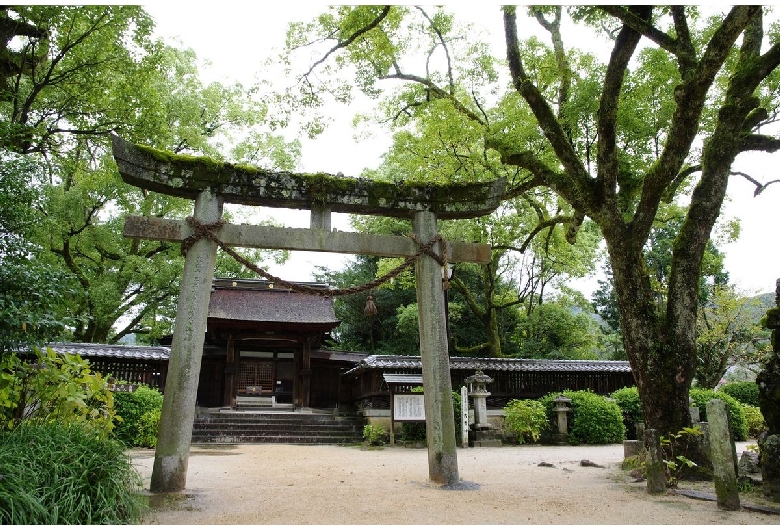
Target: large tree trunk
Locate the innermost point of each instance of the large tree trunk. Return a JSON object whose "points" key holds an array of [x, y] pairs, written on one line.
{"points": [[663, 370]]}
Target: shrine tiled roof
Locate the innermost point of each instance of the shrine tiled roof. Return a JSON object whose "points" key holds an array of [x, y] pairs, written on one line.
{"points": [[252, 301], [398, 362], [117, 351]]}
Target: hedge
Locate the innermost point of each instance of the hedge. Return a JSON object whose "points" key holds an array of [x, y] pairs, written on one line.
{"points": [[593, 419], [739, 428]]}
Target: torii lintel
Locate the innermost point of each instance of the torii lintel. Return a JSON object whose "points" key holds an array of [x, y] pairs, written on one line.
{"points": [[186, 176]]}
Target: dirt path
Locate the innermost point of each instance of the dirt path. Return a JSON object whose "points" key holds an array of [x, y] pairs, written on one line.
{"points": [[329, 485]]}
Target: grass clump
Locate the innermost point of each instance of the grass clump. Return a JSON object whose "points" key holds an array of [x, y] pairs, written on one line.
{"points": [[58, 474]]}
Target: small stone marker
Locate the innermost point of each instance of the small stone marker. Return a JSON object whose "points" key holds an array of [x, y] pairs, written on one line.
{"points": [[656, 469], [464, 417], [723, 455], [562, 409]]}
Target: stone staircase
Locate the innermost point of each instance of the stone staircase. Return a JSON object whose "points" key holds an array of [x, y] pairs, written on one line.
{"points": [[234, 427]]}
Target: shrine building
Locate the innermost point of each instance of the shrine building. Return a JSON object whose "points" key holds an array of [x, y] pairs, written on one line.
{"points": [[265, 349]]}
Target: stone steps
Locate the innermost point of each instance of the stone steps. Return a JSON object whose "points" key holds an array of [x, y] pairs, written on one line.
{"points": [[284, 428]]}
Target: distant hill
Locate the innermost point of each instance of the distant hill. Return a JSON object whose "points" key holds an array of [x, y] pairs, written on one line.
{"points": [[766, 301]]}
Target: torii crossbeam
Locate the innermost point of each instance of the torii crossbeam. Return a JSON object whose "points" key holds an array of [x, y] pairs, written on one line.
{"points": [[212, 183]]}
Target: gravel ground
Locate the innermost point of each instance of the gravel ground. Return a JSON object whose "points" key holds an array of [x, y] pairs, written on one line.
{"points": [[330, 485]]}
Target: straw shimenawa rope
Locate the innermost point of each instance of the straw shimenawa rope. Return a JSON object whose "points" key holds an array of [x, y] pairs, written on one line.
{"points": [[201, 231]]}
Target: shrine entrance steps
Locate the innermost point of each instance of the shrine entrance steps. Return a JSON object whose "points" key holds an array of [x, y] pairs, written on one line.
{"points": [[278, 426]]}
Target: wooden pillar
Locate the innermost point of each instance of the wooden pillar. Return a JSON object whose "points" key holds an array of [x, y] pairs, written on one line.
{"points": [[297, 364], [439, 412], [305, 374], [231, 368], [178, 411]]}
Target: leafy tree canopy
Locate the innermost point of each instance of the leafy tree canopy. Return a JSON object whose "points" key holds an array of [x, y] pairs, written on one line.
{"points": [[72, 75], [659, 121]]}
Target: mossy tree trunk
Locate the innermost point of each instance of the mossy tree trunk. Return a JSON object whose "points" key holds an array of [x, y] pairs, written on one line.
{"points": [[658, 329]]}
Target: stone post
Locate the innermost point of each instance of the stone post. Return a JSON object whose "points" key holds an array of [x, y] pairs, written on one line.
{"points": [[655, 467], [464, 417], [178, 411], [723, 455], [562, 408], [439, 414]]}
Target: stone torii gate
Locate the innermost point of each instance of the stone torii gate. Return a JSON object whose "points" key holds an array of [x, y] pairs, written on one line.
{"points": [[212, 183]]}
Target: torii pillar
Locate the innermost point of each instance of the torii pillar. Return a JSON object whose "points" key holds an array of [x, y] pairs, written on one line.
{"points": [[173, 440], [439, 412]]}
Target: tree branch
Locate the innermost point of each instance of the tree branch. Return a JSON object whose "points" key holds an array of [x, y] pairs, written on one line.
{"points": [[436, 92], [341, 44], [759, 186], [443, 45], [606, 127], [576, 186], [645, 27]]}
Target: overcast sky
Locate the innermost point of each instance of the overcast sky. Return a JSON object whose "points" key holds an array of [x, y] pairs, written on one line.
{"points": [[236, 37]]}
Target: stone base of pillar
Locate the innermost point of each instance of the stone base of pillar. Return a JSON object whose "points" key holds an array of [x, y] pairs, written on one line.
{"points": [[485, 438], [632, 447], [560, 439]]}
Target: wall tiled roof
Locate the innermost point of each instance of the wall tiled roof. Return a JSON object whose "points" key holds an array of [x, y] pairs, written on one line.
{"points": [[396, 362], [118, 351]]}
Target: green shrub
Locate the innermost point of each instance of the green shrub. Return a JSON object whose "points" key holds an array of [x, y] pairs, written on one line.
{"points": [[628, 400], [374, 434], [755, 421], [457, 409], [57, 474], [745, 392], [593, 418], [54, 388], [148, 424], [524, 420], [413, 431], [700, 398], [131, 407]]}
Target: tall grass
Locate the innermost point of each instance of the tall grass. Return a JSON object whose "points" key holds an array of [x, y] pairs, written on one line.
{"points": [[65, 474]]}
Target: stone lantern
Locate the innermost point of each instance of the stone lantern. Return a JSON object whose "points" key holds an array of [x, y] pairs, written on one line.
{"points": [[481, 434], [562, 408]]}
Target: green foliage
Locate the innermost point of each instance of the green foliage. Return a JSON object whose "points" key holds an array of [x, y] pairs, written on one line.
{"points": [[139, 412], [559, 331], [728, 333], [374, 434], [56, 388], [593, 419], [457, 408], [525, 420], [104, 71], [56, 474], [628, 400], [700, 398], [660, 139], [148, 426], [746, 392], [414, 431], [754, 421], [674, 448], [32, 293]]}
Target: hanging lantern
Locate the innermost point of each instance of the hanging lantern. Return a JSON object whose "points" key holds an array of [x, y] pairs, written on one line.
{"points": [[370, 309]]}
